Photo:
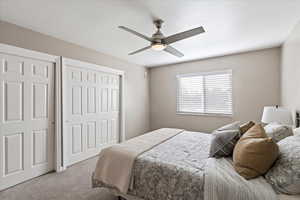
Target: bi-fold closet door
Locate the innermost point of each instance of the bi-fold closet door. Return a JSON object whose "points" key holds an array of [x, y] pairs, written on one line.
{"points": [[54, 112], [27, 123], [92, 106]]}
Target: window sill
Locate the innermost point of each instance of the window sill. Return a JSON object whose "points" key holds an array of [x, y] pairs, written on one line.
{"points": [[205, 114]]}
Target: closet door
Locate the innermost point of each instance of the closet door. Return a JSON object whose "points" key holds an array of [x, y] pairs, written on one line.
{"points": [[91, 105], [26, 118]]}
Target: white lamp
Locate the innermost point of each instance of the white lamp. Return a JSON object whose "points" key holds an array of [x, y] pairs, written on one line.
{"points": [[277, 114]]}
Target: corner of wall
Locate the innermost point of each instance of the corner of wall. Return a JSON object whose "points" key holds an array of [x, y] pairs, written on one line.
{"points": [[290, 71]]}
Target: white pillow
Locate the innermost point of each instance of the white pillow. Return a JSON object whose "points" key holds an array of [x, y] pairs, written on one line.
{"points": [[297, 131], [284, 176], [233, 126], [278, 131]]}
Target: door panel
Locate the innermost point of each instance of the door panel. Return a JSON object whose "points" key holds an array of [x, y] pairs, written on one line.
{"points": [[91, 103], [26, 119], [104, 99], [13, 151], [92, 111], [13, 101], [40, 100], [76, 100], [40, 147], [76, 139], [91, 135]]}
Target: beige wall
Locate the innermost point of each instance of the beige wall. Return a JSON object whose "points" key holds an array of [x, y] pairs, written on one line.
{"points": [[290, 71], [256, 83], [136, 85]]}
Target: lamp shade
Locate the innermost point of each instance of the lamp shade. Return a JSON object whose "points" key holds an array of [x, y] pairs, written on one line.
{"points": [[277, 114]]}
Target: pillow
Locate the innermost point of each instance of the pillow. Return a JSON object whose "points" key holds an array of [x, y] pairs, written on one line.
{"points": [[284, 176], [245, 127], [232, 126], [278, 131], [254, 153], [296, 131], [224, 140], [223, 143]]}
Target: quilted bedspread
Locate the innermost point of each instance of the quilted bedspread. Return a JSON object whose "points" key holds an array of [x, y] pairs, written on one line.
{"points": [[172, 170], [179, 169]]}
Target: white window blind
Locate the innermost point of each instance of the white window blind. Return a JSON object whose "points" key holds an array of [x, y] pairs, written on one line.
{"points": [[205, 93]]}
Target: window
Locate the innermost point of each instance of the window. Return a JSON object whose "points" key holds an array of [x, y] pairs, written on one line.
{"points": [[205, 93]]}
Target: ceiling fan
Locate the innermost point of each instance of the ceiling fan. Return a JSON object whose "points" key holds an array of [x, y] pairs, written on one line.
{"points": [[161, 43]]}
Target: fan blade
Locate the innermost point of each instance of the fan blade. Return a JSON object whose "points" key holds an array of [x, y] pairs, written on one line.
{"points": [[173, 51], [142, 49], [135, 33], [183, 35]]}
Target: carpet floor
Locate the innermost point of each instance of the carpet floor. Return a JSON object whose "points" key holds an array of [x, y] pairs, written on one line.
{"points": [[72, 184]]}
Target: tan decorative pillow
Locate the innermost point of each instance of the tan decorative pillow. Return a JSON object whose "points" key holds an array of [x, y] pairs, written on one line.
{"points": [[245, 127], [255, 153]]}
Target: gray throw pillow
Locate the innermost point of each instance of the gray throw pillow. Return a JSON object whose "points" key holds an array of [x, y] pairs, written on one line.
{"points": [[223, 143], [284, 176], [232, 126], [278, 131]]}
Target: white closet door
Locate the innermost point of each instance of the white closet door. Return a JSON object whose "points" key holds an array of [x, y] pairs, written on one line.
{"points": [[26, 118], [91, 105]]}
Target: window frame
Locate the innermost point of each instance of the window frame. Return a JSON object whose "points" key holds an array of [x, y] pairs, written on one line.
{"points": [[178, 76]]}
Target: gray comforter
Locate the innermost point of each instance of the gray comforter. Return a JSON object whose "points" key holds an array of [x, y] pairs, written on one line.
{"points": [[172, 170], [178, 168]]}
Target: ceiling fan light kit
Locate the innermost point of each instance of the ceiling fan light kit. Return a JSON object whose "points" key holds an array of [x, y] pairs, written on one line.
{"points": [[158, 47], [159, 42]]}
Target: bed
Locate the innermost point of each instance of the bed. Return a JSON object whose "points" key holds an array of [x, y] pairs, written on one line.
{"points": [[178, 169]]}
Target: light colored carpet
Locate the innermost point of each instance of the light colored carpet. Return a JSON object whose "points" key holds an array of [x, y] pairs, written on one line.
{"points": [[72, 184]]}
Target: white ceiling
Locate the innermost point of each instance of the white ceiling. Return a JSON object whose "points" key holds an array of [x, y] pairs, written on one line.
{"points": [[231, 25]]}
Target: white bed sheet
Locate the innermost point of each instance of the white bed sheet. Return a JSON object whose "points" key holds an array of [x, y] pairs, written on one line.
{"points": [[129, 197], [288, 197]]}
